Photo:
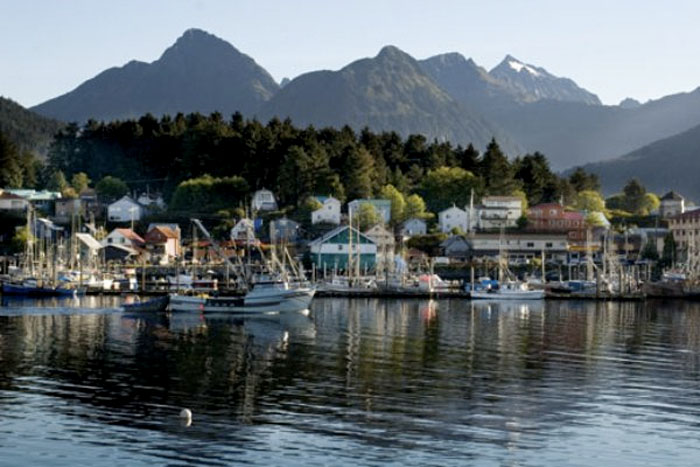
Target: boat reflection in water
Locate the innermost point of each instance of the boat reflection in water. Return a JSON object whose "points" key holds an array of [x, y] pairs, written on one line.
{"points": [[508, 306]]}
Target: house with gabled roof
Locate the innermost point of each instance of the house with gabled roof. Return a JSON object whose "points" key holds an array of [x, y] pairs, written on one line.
{"points": [[342, 246], [124, 237], [329, 212], [163, 243], [263, 200], [125, 209], [671, 204]]}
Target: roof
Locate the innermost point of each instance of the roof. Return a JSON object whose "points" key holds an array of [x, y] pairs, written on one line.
{"points": [[125, 198], [166, 231], [172, 226], [8, 195], [500, 198], [33, 195], [451, 208], [332, 233], [89, 241], [547, 206], [130, 234], [671, 196]]}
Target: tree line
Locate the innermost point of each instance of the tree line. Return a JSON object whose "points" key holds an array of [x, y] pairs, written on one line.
{"points": [[202, 162]]}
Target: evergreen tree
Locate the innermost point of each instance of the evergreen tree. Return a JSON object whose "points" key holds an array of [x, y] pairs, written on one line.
{"points": [[357, 173], [469, 159], [10, 168], [497, 172], [583, 181], [635, 196]]}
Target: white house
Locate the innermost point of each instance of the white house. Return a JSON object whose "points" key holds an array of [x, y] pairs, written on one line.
{"points": [[10, 202], [499, 211], [413, 226], [123, 237], [263, 200], [151, 200], [329, 212], [124, 210], [382, 206], [243, 231], [451, 218], [671, 205]]}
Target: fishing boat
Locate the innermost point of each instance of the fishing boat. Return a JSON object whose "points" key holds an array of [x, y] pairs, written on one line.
{"points": [[269, 292], [31, 288], [153, 305], [267, 295], [509, 291]]}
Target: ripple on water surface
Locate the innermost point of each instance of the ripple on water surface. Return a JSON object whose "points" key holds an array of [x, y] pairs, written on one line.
{"points": [[356, 382]]}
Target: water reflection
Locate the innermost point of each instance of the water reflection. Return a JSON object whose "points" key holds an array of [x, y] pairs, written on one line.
{"points": [[362, 381]]}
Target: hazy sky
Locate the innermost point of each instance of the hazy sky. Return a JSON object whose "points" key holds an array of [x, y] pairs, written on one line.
{"points": [[614, 48]]}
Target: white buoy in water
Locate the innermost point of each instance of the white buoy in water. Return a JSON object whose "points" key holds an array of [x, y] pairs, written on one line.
{"points": [[186, 417]]}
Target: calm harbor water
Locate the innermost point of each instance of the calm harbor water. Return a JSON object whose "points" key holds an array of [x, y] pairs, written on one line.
{"points": [[355, 382]]}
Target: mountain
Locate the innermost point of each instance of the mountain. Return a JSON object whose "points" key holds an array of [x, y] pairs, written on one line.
{"points": [[26, 129], [467, 82], [199, 73], [385, 93], [671, 163], [535, 83], [572, 133]]}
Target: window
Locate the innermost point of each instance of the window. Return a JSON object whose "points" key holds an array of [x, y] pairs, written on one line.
{"points": [[530, 244], [549, 244], [340, 247]]}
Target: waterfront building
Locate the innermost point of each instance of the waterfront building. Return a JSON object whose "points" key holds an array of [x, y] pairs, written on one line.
{"points": [[451, 218], [124, 237], [385, 242], [88, 251], [328, 213], [243, 232], [456, 248], [671, 204], [163, 243], [519, 248], [332, 251], [263, 200], [685, 228], [124, 209], [553, 218], [414, 226], [382, 206]]}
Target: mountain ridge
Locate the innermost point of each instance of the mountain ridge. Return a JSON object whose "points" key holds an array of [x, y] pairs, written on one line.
{"points": [[198, 73]]}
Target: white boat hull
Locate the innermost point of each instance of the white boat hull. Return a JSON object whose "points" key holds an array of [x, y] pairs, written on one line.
{"points": [[508, 295], [186, 303], [288, 300]]}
